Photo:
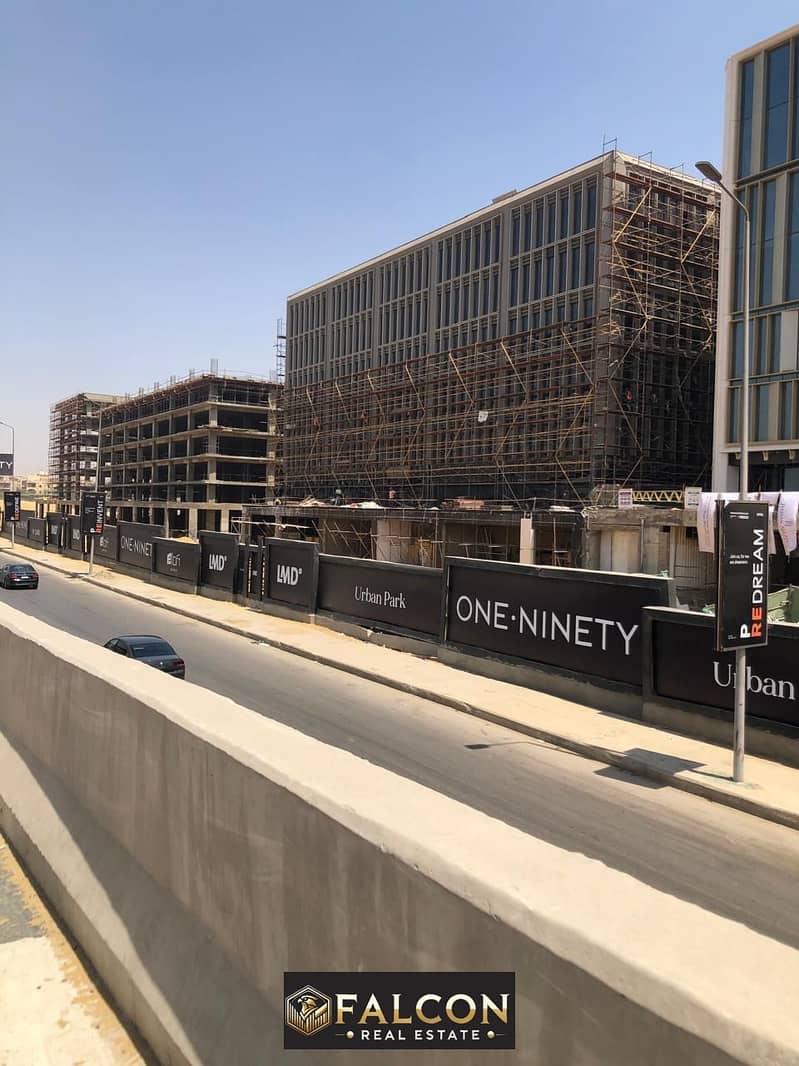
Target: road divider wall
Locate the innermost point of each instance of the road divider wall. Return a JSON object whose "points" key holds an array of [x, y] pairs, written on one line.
{"points": [[197, 851]]}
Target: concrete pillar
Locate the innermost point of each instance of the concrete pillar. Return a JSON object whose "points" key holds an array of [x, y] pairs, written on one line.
{"points": [[393, 543], [193, 515], [620, 550]]}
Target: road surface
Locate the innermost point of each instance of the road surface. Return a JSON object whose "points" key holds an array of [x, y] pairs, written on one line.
{"points": [[725, 861]]}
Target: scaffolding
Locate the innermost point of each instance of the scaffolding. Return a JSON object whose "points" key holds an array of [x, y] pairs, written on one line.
{"points": [[72, 449], [547, 415], [657, 330]]}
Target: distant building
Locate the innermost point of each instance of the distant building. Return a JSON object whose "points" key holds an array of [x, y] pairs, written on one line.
{"points": [[32, 486], [556, 340], [74, 428], [761, 165], [191, 455]]}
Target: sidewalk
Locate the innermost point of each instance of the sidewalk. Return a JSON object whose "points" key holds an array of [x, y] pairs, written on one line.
{"points": [[771, 790], [51, 1012]]}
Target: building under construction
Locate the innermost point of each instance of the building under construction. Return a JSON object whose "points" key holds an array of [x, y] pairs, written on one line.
{"points": [[189, 455], [72, 457], [559, 339]]}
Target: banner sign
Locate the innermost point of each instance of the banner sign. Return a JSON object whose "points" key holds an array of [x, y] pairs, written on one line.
{"points": [[686, 667], [391, 594], [106, 545], [37, 530], [219, 560], [787, 511], [136, 540], [742, 595], [293, 572], [11, 506], [6, 464], [585, 621], [92, 513], [178, 559], [399, 1011]]}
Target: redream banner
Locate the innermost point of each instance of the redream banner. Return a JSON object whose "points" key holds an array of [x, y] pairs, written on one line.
{"points": [[293, 572], [585, 621], [219, 560], [383, 594], [136, 543], [178, 559]]}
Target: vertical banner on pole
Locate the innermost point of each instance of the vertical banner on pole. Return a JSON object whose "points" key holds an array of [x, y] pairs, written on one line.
{"points": [[742, 596]]}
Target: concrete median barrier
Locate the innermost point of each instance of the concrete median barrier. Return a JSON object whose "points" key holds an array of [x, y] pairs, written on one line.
{"points": [[198, 850]]}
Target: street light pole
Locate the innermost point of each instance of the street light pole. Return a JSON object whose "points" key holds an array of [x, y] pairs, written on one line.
{"points": [[739, 730], [13, 476]]}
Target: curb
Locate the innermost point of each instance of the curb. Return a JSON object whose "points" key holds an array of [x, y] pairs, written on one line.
{"points": [[586, 749], [41, 562]]}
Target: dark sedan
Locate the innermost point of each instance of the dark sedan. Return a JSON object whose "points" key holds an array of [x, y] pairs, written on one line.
{"points": [[152, 651], [19, 576]]}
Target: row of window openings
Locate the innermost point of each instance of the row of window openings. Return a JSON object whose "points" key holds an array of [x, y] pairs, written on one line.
{"points": [[561, 312], [308, 314], [775, 148], [787, 394], [459, 255], [404, 276], [564, 217], [767, 355], [545, 280], [762, 209]]}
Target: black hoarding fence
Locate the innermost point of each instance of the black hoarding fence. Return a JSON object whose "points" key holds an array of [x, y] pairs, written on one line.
{"points": [[253, 583], [137, 544], [686, 668], [54, 531], [219, 563], [106, 545], [389, 596], [178, 559], [293, 572], [37, 530], [587, 622], [74, 535], [741, 600]]}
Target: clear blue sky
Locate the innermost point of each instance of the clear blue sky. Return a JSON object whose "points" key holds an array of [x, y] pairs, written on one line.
{"points": [[172, 169]]}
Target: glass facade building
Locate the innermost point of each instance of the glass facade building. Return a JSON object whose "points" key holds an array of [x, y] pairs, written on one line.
{"points": [[761, 165], [555, 340]]}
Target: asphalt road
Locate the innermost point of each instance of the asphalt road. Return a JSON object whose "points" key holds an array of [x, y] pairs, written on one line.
{"points": [[725, 861]]}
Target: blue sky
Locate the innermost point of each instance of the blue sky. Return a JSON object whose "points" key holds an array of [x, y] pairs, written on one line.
{"points": [[172, 169]]}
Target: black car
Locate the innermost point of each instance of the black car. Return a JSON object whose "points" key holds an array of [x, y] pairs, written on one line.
{"points": [[19, 576], [153, 651]]}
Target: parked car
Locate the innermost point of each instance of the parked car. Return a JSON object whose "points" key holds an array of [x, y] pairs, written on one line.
{"points": [[19, 576], [153, 651]]}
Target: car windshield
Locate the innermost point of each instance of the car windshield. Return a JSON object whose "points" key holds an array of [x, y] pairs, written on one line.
{"points": [[154, 647], [21, 569]]}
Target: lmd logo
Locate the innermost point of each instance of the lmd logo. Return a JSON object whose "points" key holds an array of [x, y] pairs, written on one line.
{"points": [[288, 575], [217, 563]]}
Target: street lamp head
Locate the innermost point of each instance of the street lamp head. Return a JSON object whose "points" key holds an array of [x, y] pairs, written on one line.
{"points": [[707, 170]]}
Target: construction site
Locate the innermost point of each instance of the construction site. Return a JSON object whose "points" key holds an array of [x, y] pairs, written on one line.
{"points": [[622, 396], [72, 452]]}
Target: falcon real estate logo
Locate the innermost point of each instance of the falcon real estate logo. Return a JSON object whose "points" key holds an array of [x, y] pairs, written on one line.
{"points": [[399, 1010]]}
